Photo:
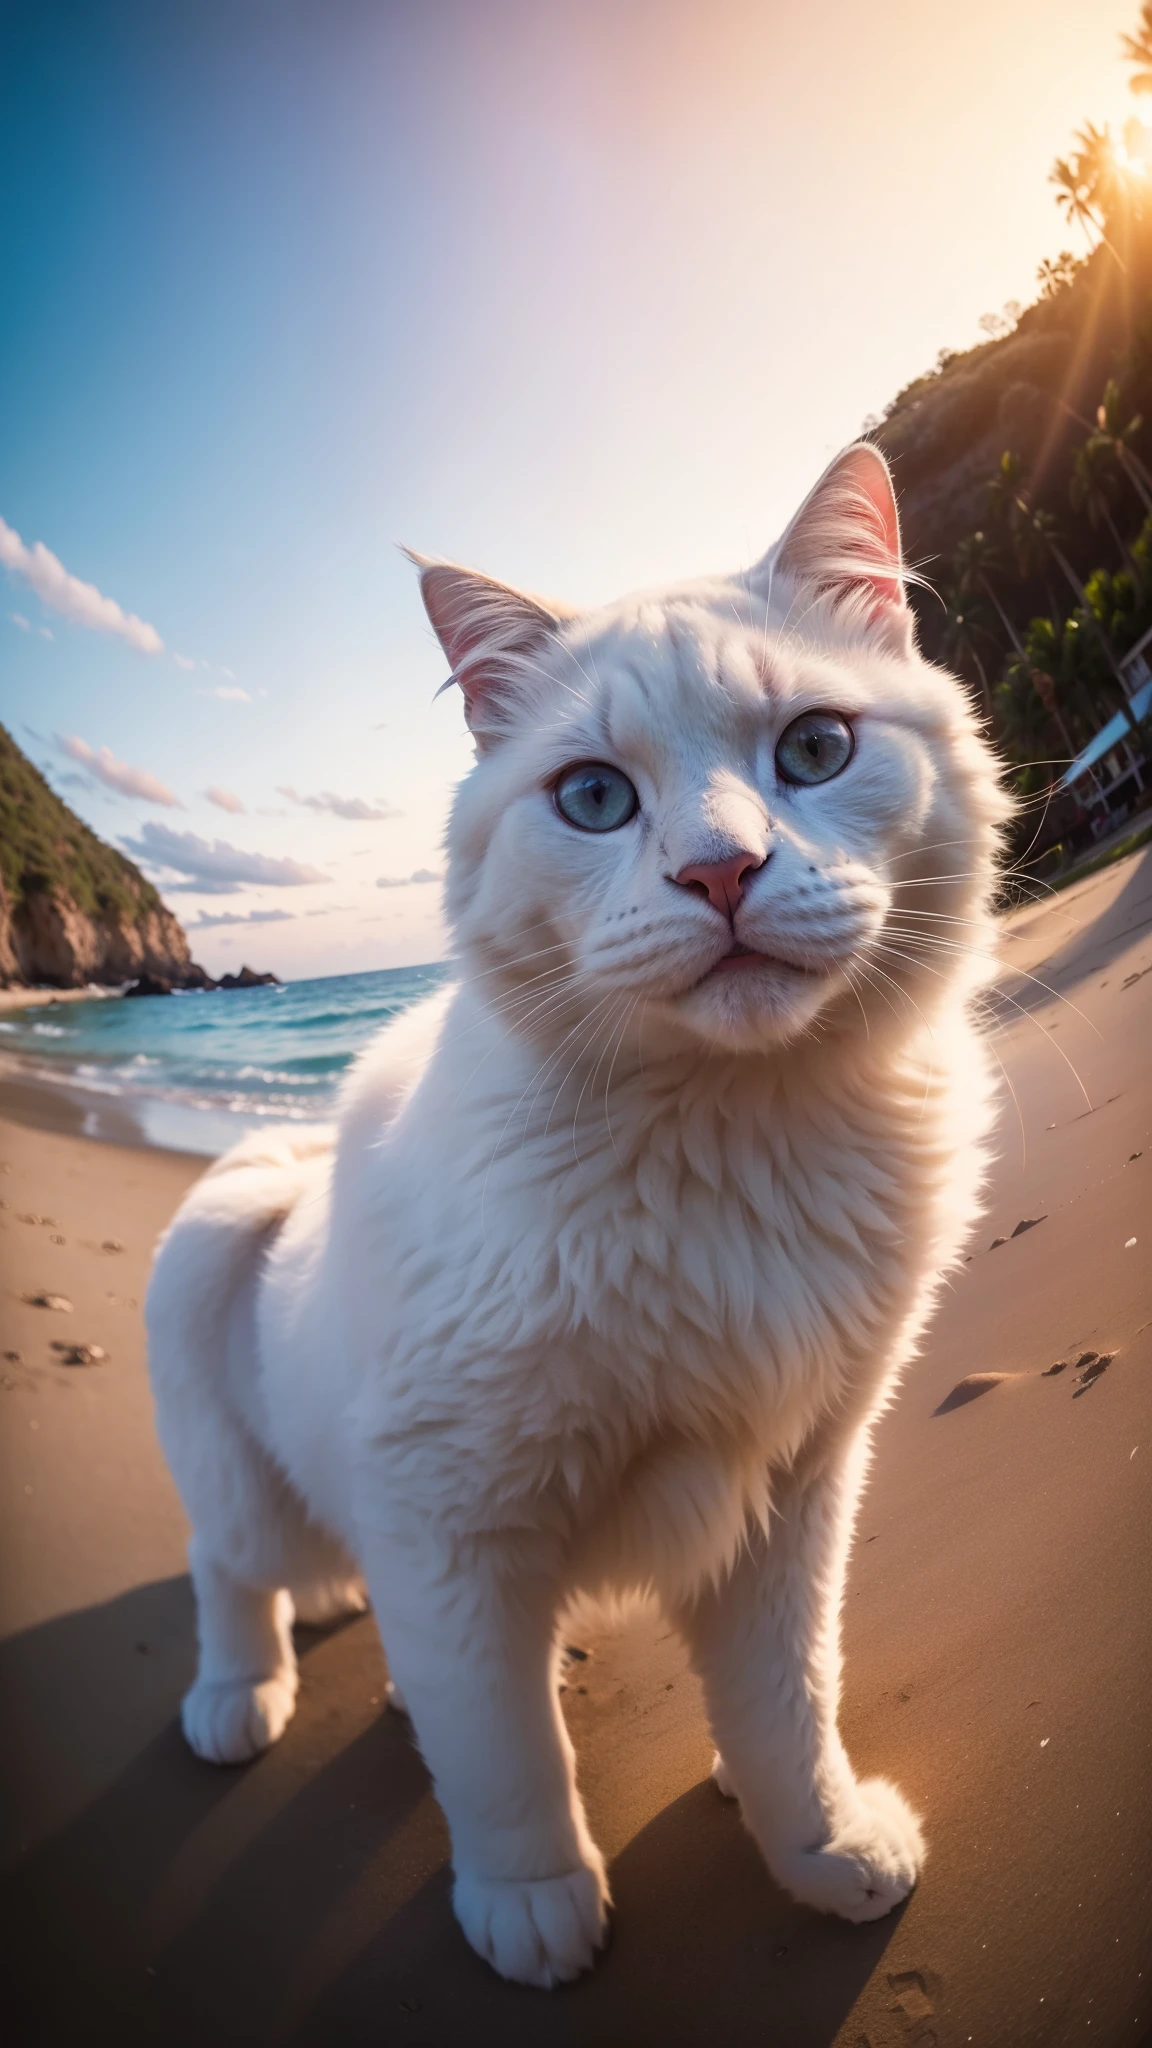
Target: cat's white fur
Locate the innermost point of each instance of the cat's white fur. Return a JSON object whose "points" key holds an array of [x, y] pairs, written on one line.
{"points": [[614, 1256]]}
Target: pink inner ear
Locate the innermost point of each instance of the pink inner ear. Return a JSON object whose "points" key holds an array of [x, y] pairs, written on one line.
{"points": [[484, 627], [846, 536], [872, 478], [456, 608]]}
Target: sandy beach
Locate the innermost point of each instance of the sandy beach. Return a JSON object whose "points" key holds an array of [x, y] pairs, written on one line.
{"points": [[996, 1632], [39, 998]]}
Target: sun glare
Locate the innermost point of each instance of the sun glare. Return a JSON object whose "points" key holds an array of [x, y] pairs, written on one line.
{"points": [[1132, 154]]}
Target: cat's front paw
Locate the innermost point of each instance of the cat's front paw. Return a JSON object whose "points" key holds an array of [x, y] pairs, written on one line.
{"points": [[542, 1932], [869, 1866], [230, 1721]]}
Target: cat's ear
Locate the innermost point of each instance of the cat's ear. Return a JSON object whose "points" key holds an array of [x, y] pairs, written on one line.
{"points": [[487, 631], [845, 542]]}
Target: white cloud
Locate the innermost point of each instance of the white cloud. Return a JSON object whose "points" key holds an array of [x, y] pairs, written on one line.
{"points": [[61, 592], [18, 619], [46, 633], [402, 881], [204, 922], [224, 799], [227, 672], [114, 774], [230, 693], [354, 807], [214, 868], [183, 661]]}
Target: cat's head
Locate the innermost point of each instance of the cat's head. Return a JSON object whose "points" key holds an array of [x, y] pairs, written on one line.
{"points": [[740, 804]]}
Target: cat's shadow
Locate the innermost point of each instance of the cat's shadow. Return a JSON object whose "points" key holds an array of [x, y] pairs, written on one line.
{"points": [[306, 1898]]}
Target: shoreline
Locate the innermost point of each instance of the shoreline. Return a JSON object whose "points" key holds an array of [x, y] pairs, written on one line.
{"points": [[52, 1106], [41, 998], [68, 1110]]}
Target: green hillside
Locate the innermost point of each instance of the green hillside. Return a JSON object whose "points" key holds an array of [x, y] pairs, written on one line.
{"points": [[45, 848], [1024, 468]]}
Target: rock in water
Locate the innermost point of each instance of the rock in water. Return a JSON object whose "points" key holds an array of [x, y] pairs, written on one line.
{"points": [[248, 978]]}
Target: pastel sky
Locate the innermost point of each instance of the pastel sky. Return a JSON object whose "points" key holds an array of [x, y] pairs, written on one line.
{"points": [[583, 291]]}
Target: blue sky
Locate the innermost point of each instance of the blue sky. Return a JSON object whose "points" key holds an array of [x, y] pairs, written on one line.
{"points": [[585, 293]]}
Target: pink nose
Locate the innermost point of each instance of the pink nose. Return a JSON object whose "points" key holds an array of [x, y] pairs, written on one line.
{"points": [[721, 881]]}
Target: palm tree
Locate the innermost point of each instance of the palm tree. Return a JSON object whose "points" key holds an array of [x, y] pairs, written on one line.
{"points": [[1021, 715], [1138, 50], [1088, 185], [1005, 492], [1071, 656], [1093, 484], [1030, 526], [974, 560], [1073, 196], [1093, 623], [1119, 436], [1030, 531], [964, 628], [1045, 688], [1053, 274], [1033, 547]]}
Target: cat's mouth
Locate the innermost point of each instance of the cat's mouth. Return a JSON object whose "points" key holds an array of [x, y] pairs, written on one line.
{"points": [[741, 958], [747, 957]]}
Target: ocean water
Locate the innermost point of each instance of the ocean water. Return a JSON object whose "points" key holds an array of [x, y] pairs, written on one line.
{"points": [[196, 1070]]}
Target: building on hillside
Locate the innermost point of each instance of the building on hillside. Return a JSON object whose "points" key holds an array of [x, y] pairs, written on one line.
{"points": [[1111, 775]]}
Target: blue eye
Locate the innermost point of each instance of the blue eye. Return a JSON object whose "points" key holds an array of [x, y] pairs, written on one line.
{"points": [[596, 798], [815, 747]]}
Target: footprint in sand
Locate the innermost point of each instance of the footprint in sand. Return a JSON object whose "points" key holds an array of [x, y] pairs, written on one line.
{"points": [[1089, 1366], [80, 1354], [916, 1994]]}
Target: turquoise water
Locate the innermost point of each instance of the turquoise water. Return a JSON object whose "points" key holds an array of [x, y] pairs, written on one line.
{"points": [[198, 1069]]}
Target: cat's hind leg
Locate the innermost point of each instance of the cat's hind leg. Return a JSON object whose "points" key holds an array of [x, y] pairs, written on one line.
{"points": [[254, 1549], [244, 1694], [280, 1568]]}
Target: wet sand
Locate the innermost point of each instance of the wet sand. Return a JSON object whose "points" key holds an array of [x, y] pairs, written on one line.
{"points": [[998, 1658]]}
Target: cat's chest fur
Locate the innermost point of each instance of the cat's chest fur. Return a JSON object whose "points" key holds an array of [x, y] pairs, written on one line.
{"points": [[714, 1262]]}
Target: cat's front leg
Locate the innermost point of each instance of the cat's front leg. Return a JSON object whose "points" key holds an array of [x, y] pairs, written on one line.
{"points": [[469, 1638], [766, 1644]]}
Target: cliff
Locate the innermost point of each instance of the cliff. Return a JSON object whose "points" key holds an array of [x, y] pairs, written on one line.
{"points": [[73, 910]]}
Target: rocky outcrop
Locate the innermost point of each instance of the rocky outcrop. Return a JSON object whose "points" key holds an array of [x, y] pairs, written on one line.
{"points": [[46, 940], [72, 908]]}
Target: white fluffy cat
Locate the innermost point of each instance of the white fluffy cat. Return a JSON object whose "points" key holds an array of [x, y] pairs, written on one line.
{"points": [[621, 1243]]}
